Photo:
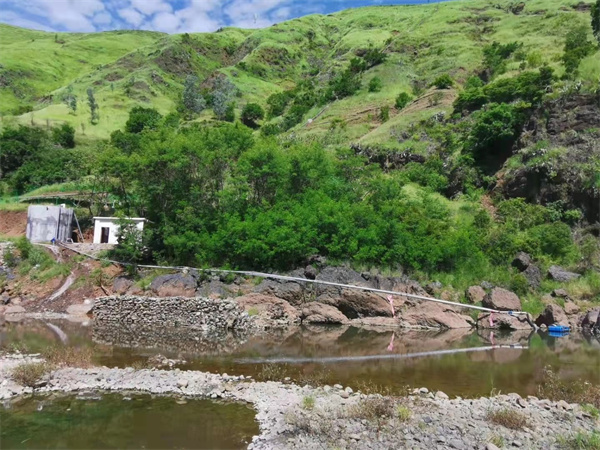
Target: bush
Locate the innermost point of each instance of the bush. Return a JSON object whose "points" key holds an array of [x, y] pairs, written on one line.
{"points": [[443, 82], [24, 246], [402, 100], [577, 47], [64, 136], [251, 113], [496, 54], [384, 113], [508, 418], [554, 388], [142, 119], [373, 57], [30, 374], [277, 103], [375, 85]]}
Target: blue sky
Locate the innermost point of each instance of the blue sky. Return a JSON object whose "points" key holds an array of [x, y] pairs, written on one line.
{"points": [[170, 16]]}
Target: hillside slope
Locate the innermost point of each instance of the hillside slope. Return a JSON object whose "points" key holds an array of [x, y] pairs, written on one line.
{"points": [[128, 68]]}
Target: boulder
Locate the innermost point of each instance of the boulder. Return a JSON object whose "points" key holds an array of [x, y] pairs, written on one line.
{"points": [[14, 309], [342, 275], [271, 312], [533, 275], [589, 319], [502, 322], [502, 300], [433, 288], [560, 293], [121, 285], [557, 273], [434, 315], [316, 312], [553, 314], [289, 291], [475, 294], [522, 261], [174, 285], [83, 309], [571, 308], [310, 272], [355, 304], [214, 289]]}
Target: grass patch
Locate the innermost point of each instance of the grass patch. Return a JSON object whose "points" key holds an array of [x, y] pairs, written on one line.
{"points": [[30, 374], [508, 418], [403, 413], [373, 409], [591, 410], [578, 391], [498, 441], [581, 441], [253, 311], [272, 372], [63, 356], [308, 402]]}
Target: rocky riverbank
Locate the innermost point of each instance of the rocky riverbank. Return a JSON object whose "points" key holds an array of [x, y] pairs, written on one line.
{"points": [[305, 417]]}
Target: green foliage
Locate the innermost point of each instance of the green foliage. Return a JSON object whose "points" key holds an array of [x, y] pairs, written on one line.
{"points": [[64, 136], [192, 100], [343, 85], [576, 48], [24, 246], [444, 81], [373, 57], [277, 103], [494, 132], [222, 99], [375, 85], [251, 113], [93, 105], [595, 12], [496, 54], [141, 118], [131, 244], [402, 100], [384, 113]]}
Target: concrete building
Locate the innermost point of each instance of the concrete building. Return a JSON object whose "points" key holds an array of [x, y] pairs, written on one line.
{"points": [[106, 228], [45, 223]]}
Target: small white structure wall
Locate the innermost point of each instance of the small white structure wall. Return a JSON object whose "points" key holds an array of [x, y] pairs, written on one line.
{"points": [[113, 227]]}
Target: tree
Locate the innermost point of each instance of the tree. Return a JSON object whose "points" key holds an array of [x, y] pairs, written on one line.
{"points": [[443, 82], [577, 47], [64, 136], [71, 101], [222, 98], [192, 99], [596, 19], [130, 247], [375, 84], [402, 100], [251, 113], [94, 116], [142, 119]]}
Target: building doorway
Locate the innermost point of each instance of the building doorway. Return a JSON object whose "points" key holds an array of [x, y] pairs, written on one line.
{"points": [[104, 235]]}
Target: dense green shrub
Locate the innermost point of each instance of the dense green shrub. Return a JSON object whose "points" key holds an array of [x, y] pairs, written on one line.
{"points": [[277, 103], [375, 85], [141, 118], [496, 54], [444, 81], [251, 113], [576, 48], [402, 100], [64, 136]]}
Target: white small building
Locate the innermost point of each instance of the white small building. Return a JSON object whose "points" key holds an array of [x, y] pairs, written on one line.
{"points": [[106, 228]]}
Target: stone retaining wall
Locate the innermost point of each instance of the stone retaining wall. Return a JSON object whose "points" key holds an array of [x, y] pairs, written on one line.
{"points": [[197, 313]]}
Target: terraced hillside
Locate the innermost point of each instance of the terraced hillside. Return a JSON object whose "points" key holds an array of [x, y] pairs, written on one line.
{"points": [[421, 42]]}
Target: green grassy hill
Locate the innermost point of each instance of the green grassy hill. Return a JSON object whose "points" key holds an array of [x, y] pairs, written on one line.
{"points": [[128, 68]]}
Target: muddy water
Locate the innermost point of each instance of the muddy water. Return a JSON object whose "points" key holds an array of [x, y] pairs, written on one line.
{"points": [[459, 362], [114, 421]]}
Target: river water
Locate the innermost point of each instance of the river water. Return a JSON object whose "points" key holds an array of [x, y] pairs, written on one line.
{"points": [[458, 362], [110, 421]]}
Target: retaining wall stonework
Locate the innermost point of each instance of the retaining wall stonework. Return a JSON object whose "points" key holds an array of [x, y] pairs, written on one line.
{"points": [[167, 312]]}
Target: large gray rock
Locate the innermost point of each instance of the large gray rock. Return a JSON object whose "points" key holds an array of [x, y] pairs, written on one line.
{"points": [[270, 312], [553, 314], [557, 273], [475, 294], [289, 291], [590, 319], [434, 315], [214, 289], [502, 300], [522, 261], [502, 322], [533, 275], [174, 285], [316, 312], [121, 285]]}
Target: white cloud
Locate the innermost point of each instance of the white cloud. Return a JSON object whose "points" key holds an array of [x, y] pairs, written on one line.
{"points": [[166, 22], [102, 18], [15, 19], [131, 16], [149, 7]]}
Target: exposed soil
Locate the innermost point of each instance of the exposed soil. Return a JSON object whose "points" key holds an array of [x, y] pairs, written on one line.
{"points": [[13, 223]]}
